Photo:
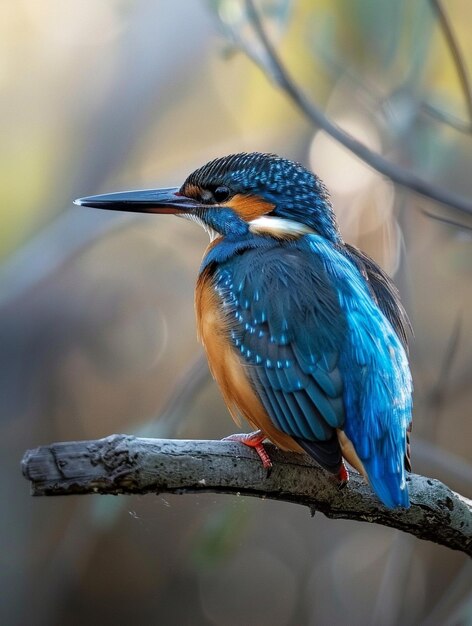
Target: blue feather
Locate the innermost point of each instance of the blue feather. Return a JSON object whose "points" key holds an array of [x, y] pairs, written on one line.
{"points": [[377, 382], [321, 354]]}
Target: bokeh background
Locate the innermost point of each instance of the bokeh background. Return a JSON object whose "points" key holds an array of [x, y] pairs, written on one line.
{"points": [[97, 332]]}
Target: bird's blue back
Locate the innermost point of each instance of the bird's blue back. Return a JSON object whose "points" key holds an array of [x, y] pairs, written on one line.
{"points": [[319, 352]]}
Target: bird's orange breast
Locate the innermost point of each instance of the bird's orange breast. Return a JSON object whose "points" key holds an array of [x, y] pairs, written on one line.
{"points": [[226, 366]]}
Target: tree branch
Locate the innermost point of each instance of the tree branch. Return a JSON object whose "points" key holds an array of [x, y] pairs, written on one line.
{"points": [[122, 464], [277, 71]]}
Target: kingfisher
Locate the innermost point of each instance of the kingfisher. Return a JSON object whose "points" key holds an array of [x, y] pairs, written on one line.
{"points": [[305, 334]]}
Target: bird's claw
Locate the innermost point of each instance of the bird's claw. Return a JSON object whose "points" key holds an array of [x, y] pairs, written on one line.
{"points": [[254, 440], [342, 477]]}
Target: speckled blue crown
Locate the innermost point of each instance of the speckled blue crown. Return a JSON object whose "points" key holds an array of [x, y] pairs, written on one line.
{"points": [[297, 193]]}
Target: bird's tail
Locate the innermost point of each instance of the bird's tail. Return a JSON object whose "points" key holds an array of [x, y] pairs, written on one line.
{"points": [[390, 487]]}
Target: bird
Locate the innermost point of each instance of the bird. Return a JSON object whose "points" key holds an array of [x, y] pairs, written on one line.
{"points": [[304, 333]]}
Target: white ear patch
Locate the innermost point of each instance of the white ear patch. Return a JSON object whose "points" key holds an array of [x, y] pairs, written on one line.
{"points": [[279, 227], [194, 218]]}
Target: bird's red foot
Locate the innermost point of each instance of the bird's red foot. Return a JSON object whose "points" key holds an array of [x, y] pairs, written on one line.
{"points": [[342, 477], [254, 440]]}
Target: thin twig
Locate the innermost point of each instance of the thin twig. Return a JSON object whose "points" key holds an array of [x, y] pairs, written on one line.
{"points": [[399, 175], [122, 464], [461, 70], [371, 94], [446, 220]]}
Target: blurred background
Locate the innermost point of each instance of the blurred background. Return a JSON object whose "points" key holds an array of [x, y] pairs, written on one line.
{"points": [[97, 332]]}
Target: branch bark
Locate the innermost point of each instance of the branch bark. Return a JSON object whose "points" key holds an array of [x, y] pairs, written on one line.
{"points": [[122, 464]]}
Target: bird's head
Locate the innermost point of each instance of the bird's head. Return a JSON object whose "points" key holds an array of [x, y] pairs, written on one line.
{"points": [[233, 195]]}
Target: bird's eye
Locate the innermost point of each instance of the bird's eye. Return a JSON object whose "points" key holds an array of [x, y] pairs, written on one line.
{"points": [[221, 193]]}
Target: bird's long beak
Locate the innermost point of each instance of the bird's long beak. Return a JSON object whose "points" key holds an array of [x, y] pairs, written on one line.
{"points": [[143, 201]]}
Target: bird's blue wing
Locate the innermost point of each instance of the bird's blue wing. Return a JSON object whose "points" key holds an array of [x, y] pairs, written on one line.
{"points": [[321, 355], [285, 319], [377, 379], [386, 294], [383, 290]]}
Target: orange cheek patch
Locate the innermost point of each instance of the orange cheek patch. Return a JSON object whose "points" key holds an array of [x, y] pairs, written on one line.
{"points": [[249, 207]]}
